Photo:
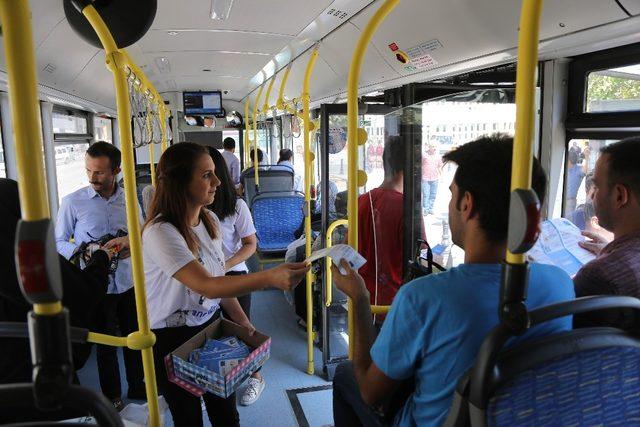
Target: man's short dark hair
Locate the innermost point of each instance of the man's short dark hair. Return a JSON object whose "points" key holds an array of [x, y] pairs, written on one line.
{"points": [[229, 143], [285, 155], [624, 164], [393, 155], [260, 155], [104, 149], [484, 170]]}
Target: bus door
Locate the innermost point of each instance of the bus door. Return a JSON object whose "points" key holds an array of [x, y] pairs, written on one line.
{"points": [[331, 317]]}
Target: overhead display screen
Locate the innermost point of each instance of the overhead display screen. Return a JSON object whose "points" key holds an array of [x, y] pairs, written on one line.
{"points": [[202, 102]]}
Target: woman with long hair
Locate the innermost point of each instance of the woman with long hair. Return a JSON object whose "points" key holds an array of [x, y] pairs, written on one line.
{"points": [[184, 270], [238, 244]]}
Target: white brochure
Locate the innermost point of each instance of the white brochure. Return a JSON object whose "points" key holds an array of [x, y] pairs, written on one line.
{"points": [[337, 254]]}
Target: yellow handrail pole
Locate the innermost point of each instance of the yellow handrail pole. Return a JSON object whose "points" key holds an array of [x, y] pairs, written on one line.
{"points": [[152, 149], [143, 339], [352, 133], [255, 136], [265, 104], [163, 130], [308, 162], [247, 139], [327, 264], [380, 309], [23, 98], [280, 104], [522, 161]]}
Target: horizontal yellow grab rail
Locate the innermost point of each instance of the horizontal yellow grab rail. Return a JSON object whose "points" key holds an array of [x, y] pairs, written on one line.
{"points": [[380, 309]]}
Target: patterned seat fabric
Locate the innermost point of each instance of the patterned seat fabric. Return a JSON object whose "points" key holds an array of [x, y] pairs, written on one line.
{"points": [[276, 219], [593, 387]]}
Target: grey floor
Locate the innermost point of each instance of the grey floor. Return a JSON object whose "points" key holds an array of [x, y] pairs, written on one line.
{"points": [[285, 370]]}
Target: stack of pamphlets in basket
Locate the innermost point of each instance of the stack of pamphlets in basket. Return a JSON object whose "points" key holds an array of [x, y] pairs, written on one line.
{"points": [[220, 355]]}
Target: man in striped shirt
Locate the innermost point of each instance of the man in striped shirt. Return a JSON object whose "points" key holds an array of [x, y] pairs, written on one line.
{"points": [[616, 199]]}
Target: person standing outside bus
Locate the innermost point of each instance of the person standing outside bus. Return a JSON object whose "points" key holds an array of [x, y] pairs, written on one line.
{"points": [[575, 174], [239, 243], [87, 215], [233, 163], [184, 267], [431, 169]]}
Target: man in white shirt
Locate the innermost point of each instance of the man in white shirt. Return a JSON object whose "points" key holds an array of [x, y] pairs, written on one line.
{"points": [[233, 163]]}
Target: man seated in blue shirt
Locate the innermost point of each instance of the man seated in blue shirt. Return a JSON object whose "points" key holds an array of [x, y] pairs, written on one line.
{"points": [[437, 323], [89, 214]]}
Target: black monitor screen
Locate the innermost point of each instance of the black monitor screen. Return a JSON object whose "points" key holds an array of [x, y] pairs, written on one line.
{"points": [[202, 102]]}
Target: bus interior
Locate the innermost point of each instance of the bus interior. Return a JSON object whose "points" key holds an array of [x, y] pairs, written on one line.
{"points": [[275, 75]]}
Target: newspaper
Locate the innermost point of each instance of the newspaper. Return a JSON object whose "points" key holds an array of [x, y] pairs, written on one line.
{"points": [[558, 245], [337, 254]]}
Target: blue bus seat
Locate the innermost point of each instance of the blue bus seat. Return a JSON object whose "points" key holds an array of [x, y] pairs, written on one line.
{"points": [[276, 216], [272, 178], [587, 376]]}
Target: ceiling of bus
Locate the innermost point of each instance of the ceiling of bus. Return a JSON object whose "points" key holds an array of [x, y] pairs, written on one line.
{"points": [[263, 36]]}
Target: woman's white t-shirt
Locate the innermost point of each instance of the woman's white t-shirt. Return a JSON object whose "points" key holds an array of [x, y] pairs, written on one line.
{"points": [[165, 251], [234, 228]]}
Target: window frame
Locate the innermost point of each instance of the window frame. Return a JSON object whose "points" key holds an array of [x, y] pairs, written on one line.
{"points": [[579, 70], [73, 138]]}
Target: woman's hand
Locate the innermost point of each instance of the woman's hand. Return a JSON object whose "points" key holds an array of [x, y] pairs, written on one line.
{"points": [[287, 276], [352, 284]]}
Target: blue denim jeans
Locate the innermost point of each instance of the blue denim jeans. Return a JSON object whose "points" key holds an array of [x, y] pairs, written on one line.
{"points": [[429, 192]]}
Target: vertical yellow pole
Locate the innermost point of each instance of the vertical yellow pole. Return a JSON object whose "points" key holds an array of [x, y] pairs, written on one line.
{"points": [[149, 123], [143, 338], [255, 135], [247, 139], [163, 128], [308, 163], [280, 102], [23, 98], [522, 161], [352, 133]]}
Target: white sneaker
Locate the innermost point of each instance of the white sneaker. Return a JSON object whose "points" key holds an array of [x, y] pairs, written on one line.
{"points": [[252, 392]]}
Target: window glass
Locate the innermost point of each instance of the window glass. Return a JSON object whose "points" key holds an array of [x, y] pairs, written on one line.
{"points": [[70, 168], [615, 89], [373, 149], [580, 160], [446, 124], [67, 123], [102, 129]]}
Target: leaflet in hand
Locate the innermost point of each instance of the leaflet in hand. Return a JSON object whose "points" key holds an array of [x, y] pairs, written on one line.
{"points": [[558, 245], [337, 254]]}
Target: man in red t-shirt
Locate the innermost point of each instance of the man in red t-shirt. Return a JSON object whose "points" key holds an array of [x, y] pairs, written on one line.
{"points": [[380, 216]]}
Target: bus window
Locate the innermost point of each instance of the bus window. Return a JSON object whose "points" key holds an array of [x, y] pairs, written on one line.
{"points": [[615, 89], [71, 142], [373, 149], [102, 130], [580, 160], [447, 123]]}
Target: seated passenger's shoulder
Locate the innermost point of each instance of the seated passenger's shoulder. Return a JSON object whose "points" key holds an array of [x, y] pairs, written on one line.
{"points": [[550, 283]]}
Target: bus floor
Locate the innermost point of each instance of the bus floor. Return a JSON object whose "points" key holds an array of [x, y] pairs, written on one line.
{"points": [[291, 396]]}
